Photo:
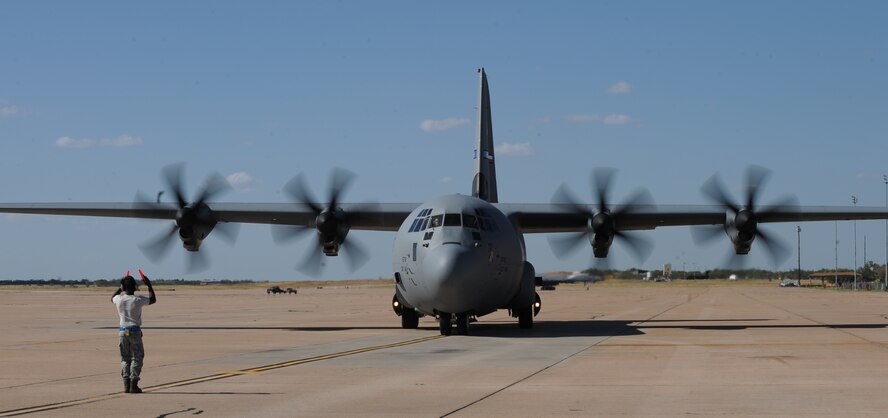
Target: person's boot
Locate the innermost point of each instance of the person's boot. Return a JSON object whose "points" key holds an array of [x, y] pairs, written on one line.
{"points": [[134, 386], [126, 386]]}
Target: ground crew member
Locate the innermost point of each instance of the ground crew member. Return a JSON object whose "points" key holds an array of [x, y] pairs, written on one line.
{"points": [[129, 307]]}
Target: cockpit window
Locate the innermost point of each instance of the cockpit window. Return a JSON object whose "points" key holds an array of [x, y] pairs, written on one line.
{"points": [[470, 221], [452, 219], [436, 221], [425, 223]]}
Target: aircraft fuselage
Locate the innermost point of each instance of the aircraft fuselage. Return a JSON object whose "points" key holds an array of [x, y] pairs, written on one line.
{"points": [[458, 255]]}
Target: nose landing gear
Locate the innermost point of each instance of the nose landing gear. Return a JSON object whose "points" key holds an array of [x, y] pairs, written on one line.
{"points": [[446, 321]]}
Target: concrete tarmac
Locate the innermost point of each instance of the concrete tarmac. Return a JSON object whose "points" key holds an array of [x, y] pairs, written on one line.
{"points": [[661, 349]]}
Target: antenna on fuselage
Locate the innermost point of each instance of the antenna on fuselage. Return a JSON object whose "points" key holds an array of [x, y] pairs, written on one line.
{"points": [[484, 183]]}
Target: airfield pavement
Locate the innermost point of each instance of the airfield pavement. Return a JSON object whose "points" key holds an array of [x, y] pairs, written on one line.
{"points": [[660, 349]]}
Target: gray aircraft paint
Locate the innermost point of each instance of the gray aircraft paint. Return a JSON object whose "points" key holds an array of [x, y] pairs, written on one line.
{"points": [[484, 183], [458, 269]]}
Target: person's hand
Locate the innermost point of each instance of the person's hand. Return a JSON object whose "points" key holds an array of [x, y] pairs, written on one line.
{"points": [[144, 277]]}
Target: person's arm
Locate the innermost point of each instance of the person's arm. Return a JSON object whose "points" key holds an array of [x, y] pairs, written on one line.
{"points": [[151, 296], [117, 292]]}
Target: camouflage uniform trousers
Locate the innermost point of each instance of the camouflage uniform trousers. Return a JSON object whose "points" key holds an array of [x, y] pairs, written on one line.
{"points": [[131, 354]]}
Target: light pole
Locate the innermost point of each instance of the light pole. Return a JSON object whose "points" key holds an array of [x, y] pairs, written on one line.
{"points": [[854, 202], [836, 279], [885, 179], [799, 235]]}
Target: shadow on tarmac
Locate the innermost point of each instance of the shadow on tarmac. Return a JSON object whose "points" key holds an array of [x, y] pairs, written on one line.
{"points": [[555, 329]]}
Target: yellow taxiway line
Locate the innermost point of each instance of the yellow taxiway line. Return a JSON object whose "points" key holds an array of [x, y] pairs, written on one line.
{"points": [[217, 376]]}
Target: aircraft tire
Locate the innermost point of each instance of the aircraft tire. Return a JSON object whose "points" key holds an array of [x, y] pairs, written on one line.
{"points": [[409, 319], [445, 322], [525, 318], [462, 324]]}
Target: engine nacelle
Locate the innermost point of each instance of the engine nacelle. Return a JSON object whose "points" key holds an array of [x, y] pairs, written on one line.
{"points": [[602, 237], [742, 230], [332, 230], [195, 224]]}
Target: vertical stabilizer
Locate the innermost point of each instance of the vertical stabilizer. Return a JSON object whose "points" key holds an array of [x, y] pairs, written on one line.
{"points": [[484, 184]]}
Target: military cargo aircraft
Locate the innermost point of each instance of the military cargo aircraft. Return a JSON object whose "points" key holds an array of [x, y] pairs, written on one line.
{"points": [[458, 257]]}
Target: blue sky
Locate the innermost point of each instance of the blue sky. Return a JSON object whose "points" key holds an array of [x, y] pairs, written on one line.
{"points": [[96, 97]]}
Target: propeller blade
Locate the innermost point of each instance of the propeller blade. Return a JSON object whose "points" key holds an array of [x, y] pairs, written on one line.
{"points": [[641, 247], [173, 176], [355, 254], [755, 179], [783, 204], [312, 265], [227, 231], [212, 187], [705, 234], [283, 234], [602, 178], [299, 193], [563, 196], [777, 251], [197, 262], [715, 191], [157, 248], [641, 197], [566, 244], [340, 179]]}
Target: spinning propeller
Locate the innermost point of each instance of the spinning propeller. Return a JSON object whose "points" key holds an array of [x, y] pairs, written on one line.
{"points": [[602, 225], [194, 221], [743, 228], [331, 223]]}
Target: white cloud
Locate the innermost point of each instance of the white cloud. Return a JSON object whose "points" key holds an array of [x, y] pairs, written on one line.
{"points": [[612, 119], [240, 178], [433, 125], [121, 141], [616, 119], [583, 118], [620, 87], [117, 142], [9, 111], [516, 150], [68, 142]]}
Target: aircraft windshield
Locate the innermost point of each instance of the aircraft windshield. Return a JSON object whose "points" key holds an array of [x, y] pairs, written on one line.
{"points": [[470, 221], [452, 219]]}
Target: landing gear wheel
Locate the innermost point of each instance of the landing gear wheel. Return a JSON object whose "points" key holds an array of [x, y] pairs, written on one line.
{"points": [[445, 321], [462, 324], [409, 319], [525, 317]]}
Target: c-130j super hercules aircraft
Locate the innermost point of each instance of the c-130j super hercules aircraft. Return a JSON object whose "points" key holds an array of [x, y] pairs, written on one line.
{"points": [[457, 257]]}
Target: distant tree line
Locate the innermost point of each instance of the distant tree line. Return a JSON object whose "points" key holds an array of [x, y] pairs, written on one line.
{"points": [[870, 271], [116, 282]]}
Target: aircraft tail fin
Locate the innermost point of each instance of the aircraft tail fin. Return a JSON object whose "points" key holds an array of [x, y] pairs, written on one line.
{"points": [[484, 183]]}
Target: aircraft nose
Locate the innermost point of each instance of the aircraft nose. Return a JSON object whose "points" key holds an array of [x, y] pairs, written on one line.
{"points": [[451, 270]]}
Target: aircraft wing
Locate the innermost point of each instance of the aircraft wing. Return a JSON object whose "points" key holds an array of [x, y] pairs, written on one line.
{"points": [[376, 217], [542, 218], [530, 218]]}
